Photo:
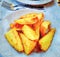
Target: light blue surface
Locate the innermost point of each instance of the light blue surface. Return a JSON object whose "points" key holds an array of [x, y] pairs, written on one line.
{"points": [[51, 13]]}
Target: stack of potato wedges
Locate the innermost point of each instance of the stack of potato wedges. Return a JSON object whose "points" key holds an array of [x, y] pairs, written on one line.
{"points": [[30, 33]]}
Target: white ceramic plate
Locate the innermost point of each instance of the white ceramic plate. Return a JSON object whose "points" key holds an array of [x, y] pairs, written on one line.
{"points": [[32, 2], [7, 51]]}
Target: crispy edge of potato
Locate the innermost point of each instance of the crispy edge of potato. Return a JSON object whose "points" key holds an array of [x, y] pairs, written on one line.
{"points": [[26, 43], [14, 45], [29, 32], [51, 34]]}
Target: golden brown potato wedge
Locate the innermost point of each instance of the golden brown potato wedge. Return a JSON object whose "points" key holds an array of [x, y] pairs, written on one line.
{"points": [[45, 27], [26, 21], [29, 32], [45, 41], [30, 18], [14, 39], [29, 45]]}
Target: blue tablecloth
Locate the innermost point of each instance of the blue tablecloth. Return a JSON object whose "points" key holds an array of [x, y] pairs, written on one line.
{"points": [[53, 10]]}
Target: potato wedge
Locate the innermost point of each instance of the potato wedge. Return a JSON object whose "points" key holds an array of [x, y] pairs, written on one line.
{"points": [[46, 41], [30, 18], [29, 32], [29, 45], [27, 20], [45, 27], [14, 39]]}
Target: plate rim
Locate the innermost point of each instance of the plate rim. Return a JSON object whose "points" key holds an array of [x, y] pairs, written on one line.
{"points": [[34, 3], [19, 11]]}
